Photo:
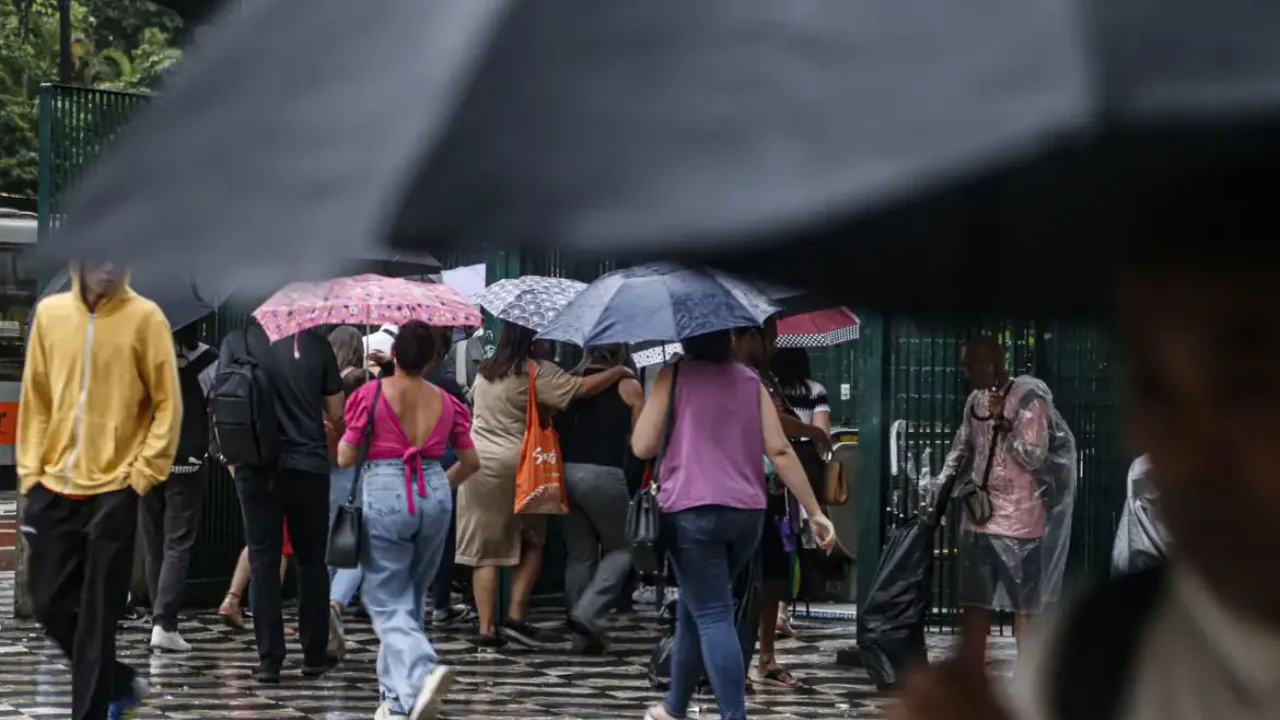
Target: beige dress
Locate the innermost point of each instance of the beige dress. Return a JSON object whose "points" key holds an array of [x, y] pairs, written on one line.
{"points": [[489, 533]]}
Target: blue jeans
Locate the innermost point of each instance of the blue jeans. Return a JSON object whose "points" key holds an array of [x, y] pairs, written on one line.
{"points": [[708, 547], [399, 557], [343, 582]]}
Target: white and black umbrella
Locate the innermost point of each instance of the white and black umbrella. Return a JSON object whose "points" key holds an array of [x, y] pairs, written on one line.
{"points": [[530, 300]]}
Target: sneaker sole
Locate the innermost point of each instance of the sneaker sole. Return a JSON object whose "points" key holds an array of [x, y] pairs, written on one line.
{"points": [[431, 697], [523, 639], [161, 650]]}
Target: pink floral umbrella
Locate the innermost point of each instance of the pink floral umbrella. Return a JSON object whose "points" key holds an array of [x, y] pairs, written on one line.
{"points": [[363, 300], [820, 328]]}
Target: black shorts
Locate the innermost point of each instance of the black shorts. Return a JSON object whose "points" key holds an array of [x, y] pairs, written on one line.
{"points": [[1001, 573]]}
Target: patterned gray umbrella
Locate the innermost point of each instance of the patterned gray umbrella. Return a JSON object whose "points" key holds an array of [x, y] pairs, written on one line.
{"points": [[529, 300]]}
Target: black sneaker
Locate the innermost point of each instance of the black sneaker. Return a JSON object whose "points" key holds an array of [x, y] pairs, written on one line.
{"points": [[316, 670], [588, 646], [527, 634], [490, 641], [452, 615], [266, 674], [586, 640]]}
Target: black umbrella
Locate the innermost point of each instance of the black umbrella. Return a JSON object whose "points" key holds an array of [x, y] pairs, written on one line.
{"points": [[923, 154]]}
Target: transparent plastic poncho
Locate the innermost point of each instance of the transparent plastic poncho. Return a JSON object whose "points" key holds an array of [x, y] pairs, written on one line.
{"points": [[1015, 560], [1141, 538]]}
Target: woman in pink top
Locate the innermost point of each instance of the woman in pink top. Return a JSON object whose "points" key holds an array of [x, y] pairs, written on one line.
{"points": [[407, 505], [711, 489]]}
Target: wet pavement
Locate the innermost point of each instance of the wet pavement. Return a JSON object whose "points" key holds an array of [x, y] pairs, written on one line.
{"points": [[212, 681]]}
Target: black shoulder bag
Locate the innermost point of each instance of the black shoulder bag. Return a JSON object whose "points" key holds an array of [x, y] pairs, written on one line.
{"points": [[347, 527], [644, 516], [975, 497]]}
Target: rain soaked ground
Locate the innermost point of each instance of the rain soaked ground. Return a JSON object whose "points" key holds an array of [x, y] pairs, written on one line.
{"points": [[212, 681]]}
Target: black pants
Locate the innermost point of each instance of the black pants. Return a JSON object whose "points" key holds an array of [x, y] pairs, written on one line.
{"points": [[303, 498], [170, 521], [79, 563], [442, 584]]}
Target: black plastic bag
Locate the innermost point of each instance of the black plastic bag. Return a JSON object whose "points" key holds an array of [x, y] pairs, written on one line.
{"points": [[891, 626], [748, 602]]}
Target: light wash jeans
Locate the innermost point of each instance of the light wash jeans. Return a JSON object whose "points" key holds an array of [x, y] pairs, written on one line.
{"points": [[399, 557], [343, 582]]}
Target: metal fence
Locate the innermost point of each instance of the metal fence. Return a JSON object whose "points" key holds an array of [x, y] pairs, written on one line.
{"points": [[75, 125]]}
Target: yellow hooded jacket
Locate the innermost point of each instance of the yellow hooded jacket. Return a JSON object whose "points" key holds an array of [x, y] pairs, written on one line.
{"points": [[101, 407]]}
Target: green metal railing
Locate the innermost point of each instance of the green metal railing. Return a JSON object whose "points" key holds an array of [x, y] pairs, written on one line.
{"points": [[75, 125]]}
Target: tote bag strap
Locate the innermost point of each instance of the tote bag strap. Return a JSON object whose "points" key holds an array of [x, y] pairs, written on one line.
{"points": [[366, 437], [667, 425], [531, 407]]}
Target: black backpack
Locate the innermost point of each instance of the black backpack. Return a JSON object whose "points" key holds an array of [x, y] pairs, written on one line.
{"points": [[242, 409], [1097, 647]]}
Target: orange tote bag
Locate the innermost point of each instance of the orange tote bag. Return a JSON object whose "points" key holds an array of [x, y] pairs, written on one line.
{"points": [[540, 474]]}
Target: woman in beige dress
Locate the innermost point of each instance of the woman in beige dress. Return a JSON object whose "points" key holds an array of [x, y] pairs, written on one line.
{"points": [[490, 535]]}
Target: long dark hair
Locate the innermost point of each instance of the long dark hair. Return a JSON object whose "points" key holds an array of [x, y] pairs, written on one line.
{"points": [[712, 347], [511, 356], [792, 369]]}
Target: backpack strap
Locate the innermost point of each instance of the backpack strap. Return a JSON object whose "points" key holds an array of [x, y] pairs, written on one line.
{"points": [[202, 360], [1097, 646]]}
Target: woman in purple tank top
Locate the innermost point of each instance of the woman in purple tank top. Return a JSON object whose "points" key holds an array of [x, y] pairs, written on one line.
{"points": [[711, 489]]}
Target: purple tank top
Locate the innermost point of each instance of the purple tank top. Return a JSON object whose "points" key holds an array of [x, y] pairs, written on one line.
{"points": [[714, 456]]}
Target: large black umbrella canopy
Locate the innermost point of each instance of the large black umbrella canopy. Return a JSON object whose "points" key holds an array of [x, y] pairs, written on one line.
{"points": [[910, 139]]}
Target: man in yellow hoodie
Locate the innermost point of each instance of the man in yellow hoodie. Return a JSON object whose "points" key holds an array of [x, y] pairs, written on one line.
{"points": [[97, 428]]}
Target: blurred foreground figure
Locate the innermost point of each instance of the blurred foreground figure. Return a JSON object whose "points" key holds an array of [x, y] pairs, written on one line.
{"points": [[1200, 637], [1014, 462], [97, 428]]}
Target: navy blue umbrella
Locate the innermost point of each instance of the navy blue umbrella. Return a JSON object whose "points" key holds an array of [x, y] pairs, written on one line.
{"points": [[658, 302]]}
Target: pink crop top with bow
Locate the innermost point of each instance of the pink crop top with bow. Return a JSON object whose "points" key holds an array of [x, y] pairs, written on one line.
{"points": [[389, 441]]}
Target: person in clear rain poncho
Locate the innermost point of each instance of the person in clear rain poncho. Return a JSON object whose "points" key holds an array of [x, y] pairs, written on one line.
{"points": [[1012, 469]]}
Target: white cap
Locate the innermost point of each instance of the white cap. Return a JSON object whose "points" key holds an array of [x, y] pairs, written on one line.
{"points": [[381, 340]]}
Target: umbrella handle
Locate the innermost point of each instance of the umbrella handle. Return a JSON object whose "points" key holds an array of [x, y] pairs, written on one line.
{"points": [[894, 427]]}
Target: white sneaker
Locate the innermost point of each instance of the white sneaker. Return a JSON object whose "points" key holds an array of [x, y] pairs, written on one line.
{"points": [[337, 635], [658, 712], [436, 686], [384, 713], [644, 595], [166, 641]]}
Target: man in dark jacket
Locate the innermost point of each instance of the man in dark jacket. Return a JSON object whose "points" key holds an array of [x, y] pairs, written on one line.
{"points": [[170, 516]]}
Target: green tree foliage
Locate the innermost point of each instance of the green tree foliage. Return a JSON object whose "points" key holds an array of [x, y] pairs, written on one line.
{"points": [[116, 44]]}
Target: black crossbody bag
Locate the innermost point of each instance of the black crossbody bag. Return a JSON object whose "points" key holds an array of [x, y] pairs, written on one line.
{"points": [[644, 516], [347, 528]]}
